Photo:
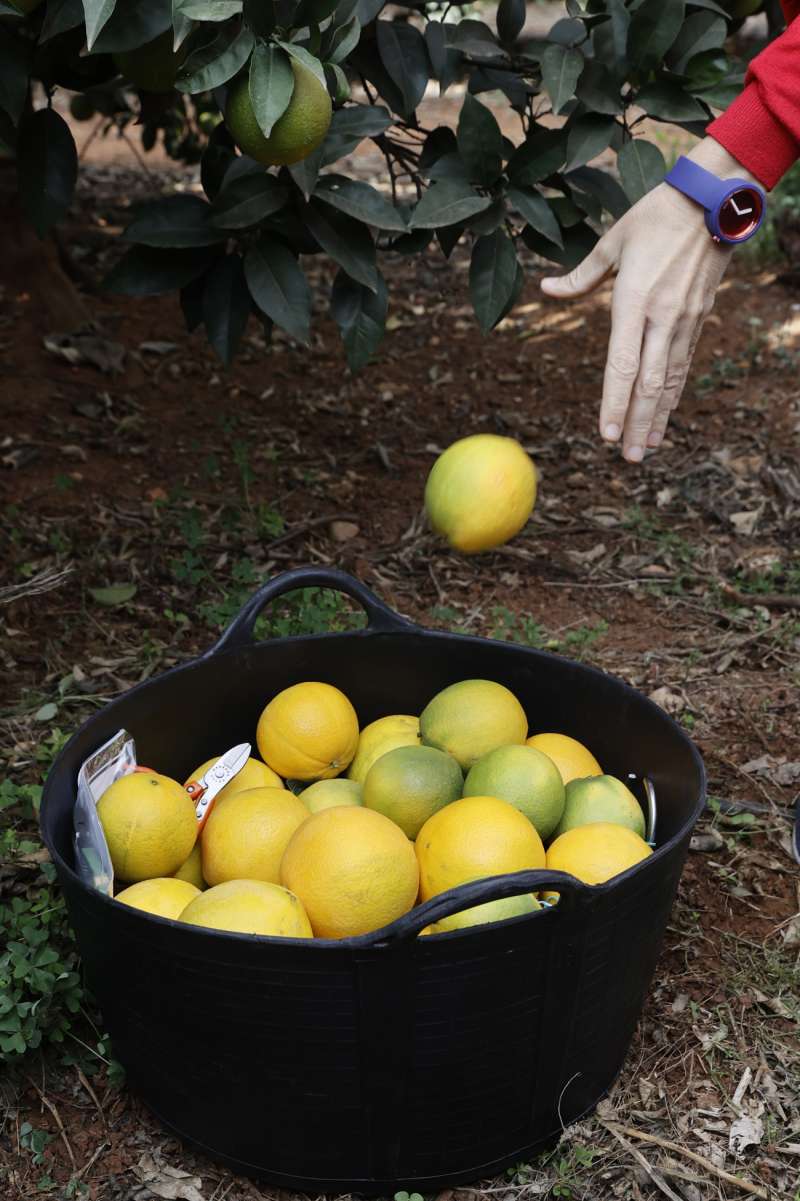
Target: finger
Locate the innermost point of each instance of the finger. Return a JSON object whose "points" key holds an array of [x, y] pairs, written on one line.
{"points": [[622, 362], [680, 359], [647, 390], [588, 274]]}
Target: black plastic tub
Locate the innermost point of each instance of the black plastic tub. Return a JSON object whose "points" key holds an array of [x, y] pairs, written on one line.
{"points": [[386, 1060]]}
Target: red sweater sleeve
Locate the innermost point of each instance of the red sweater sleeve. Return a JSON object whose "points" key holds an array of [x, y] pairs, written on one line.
{"points": [[762, 127]]}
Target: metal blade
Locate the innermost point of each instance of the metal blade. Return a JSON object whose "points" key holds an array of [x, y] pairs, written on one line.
{"points": [[223, 771]]}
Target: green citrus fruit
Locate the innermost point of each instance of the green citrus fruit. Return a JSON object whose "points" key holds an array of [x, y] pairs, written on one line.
{"points": [[480, 492], [152, 67], [295, 135], [471, 718], [489, 911], [385, 734], [524, 777], [327, 794], [600, 799], [410, 783]]}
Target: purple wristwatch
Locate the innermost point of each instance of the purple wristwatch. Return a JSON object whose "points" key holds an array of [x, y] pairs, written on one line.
{"points": [[734, 207]]}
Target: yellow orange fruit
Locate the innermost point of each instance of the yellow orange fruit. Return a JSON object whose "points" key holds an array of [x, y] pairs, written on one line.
{"points": [[475, 837], [353, 869], [308, 732], [379, 737], [253, 774], [571, 757], [246, 834], [471, 718], [249, 907], [192, 869], [327, 794], [597, 852], [166, 897], [150, 825]]}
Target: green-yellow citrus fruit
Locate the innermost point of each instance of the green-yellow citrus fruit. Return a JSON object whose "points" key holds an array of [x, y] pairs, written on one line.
{"points": [[308, 732], [152, 67], [601, 799], [410, 783], [295, 135], [597, 852], [192, 869], [525, 778], [571, 757], [327, 794], [254, 774], [150, 825], [480, 492], [489, 911], [166, 897], [249, 907], [353, 869], [471, 718], [246, 834], [471, 839], [385, 734]]}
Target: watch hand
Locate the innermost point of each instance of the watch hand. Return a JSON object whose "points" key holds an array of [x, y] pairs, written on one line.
{"points": [[740, 212]]}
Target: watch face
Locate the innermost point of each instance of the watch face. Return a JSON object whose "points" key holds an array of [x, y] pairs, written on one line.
{"points": [[740, 214]]}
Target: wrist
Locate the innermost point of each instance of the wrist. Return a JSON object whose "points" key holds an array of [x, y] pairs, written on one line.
{"points": [[710, 154]]}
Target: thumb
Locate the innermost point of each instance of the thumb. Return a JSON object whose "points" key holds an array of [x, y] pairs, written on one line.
{"points": [[590, 272]]}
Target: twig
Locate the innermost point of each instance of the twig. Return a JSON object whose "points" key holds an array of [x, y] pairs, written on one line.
{"points": [[46, 1101], [771, 600], [656, 1177], [92, 1094], [306, 526], [95, 1155], [755, 1190]]}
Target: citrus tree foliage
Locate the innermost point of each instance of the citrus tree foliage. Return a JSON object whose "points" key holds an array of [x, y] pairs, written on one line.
{"points": [[239, 249]]}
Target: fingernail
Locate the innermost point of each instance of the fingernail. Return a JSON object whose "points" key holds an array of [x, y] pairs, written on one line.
{"points": [[654, 439], [635, 454], [611, 432]]}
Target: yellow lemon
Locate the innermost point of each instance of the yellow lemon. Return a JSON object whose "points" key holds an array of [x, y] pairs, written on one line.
{"points": [[379, 737], [246, 834], [596, 852], [308, 732], [480, 492], [353, 869], [249, 907], [150, 825], [192, 869], [475, 837], [295, 135], [601, 799], [327, 794], [571, 757], [254, 774], [471, 718], [489, 911], [410, 783], [166, 897], [526, 779]]}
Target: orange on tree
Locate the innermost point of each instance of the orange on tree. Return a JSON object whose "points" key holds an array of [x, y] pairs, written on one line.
{"points": [[295, 135]]}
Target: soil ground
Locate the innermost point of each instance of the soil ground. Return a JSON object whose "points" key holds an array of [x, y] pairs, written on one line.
{"points": [[137, 460]]}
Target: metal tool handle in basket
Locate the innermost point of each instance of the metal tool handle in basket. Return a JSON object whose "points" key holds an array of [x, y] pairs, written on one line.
{"points": [[478, 892], [381, 618]]}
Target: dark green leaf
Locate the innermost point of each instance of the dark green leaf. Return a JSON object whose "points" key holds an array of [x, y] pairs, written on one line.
{"points": [[368, 10], [344, 41], [510, 19], [312, 12], [182, 26], [653, 28], [445, 61], [480, 143], [492, 275], [209, 10], [641, 166], [361, 317], [588, 205], [305, 172], [347, 241], [261, 17], [706, 70], [669, 102], [720, 95], [337, 81], [487, 221], [475, 38], [515, 87], [359, 200], [402, 51], [439, 142], [15, 65], [701, 31], [537, 212], [603, 186], [366, 61], [97, 13], [271, 85], [47, 168], [578, 242], [539, 156], [226, 306], [449, 237], [449, 166], [60, 16], [176, 221], [278, 286], [588, 136], [216, 63], [360, 120], [146, 271], [248, 199], [192, 302], [566, 211], [516, 292], [412, 243], [567, 32], [115, 594], [302, 56], [711, 5], [218, 156], [561, 69], [446, 203], [133, 25], [599, 90]]}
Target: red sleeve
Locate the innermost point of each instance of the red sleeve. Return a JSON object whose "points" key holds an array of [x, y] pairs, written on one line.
{"points": [[762, 127]]}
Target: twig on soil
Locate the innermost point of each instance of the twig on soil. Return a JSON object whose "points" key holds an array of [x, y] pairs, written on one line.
{"points": [[92, 1094], [54, 1111], [308, 525], [755, 1190], [94, 1157], [656, 1177], [771, 600]]}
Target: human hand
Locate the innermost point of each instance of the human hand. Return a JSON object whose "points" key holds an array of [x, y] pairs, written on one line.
{"points": [[668, 271]]}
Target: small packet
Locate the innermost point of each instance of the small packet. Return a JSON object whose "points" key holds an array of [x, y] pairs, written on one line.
{"points": [[114, 759]]}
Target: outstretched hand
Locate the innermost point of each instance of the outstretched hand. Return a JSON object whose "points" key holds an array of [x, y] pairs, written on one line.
{"points": [[668, 271]]}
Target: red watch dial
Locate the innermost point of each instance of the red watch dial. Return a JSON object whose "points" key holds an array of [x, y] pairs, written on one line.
{"points": [[740, 214]]}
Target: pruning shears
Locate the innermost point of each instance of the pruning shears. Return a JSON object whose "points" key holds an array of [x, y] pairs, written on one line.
{"points": [[205, 790]]}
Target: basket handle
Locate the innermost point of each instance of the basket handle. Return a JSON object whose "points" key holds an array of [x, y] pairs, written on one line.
{"points": [[382, 618], [477, 892]]}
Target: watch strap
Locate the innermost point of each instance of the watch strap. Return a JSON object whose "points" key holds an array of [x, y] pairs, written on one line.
{"points": [[695, 182]]}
